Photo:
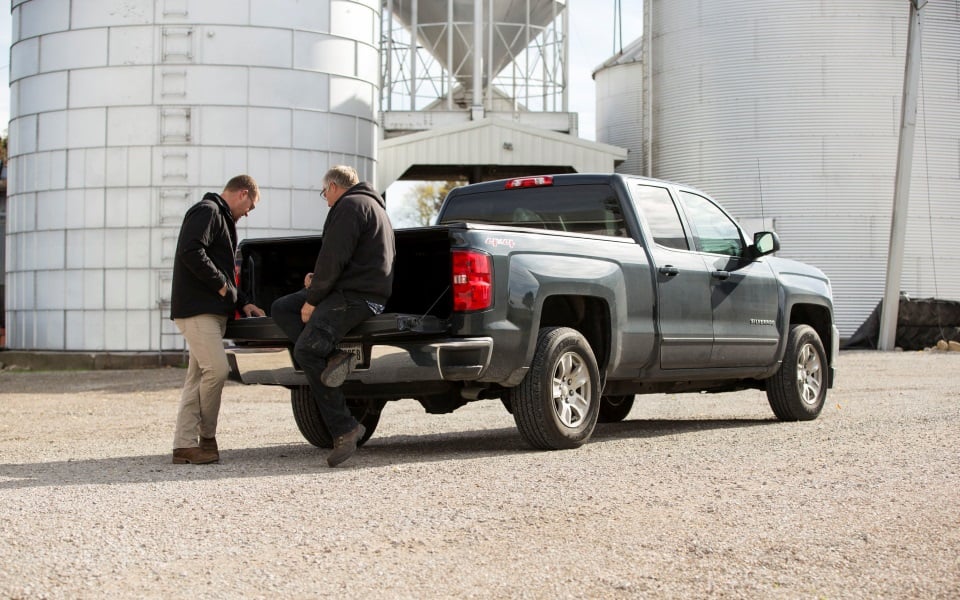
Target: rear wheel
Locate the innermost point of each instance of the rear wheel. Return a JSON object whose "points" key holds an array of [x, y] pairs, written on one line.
{"points": [[798, 390], [614, 409], [310, 423], [556, 405]]}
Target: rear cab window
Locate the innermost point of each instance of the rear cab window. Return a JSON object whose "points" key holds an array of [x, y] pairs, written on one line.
{"points": [[588, 208], [660, 213]]}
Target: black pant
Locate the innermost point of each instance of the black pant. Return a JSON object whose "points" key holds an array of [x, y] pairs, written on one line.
{"points": [[315, 341]]}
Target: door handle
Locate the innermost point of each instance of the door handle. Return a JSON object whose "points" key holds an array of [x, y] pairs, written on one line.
{"points": [[669, 271], [721, 275]]}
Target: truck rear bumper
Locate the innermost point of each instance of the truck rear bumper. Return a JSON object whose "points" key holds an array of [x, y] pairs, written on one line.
{"points": [[462, 359]]}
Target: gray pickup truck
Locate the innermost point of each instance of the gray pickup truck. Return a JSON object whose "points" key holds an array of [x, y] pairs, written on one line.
{"points": [[563, 296]]}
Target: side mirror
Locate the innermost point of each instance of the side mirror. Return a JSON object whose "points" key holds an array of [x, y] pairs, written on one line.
{"points": [[765, 242]]}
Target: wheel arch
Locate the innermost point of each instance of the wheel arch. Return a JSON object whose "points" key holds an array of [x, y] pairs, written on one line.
{"points": [[819, 318], [590, 315]]}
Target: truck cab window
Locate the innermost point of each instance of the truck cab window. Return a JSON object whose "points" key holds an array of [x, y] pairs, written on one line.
{"points": [[661, 215], [592, 209], [714, 231]]}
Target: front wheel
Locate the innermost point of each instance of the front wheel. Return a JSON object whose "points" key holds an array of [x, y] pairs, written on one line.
{"points": [[798, 390], [310, 423], [556, 405]]}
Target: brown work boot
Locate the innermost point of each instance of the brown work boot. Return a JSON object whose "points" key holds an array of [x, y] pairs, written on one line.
{"points": [[345, 445], [339, 365], [210, 445], [195, 456]]}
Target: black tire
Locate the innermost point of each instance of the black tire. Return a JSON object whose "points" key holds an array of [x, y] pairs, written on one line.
{"points": [[311, 425], [614, 409], [556, 405], [798, 390]]}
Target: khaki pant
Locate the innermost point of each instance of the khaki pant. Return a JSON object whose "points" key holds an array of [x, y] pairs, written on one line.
{"points": [[206, 374]]}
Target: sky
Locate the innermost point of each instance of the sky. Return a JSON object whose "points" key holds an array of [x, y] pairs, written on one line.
{"points": [[5, 69], [593, 39]]}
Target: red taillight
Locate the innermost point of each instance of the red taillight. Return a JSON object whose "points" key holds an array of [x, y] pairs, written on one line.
{"points": [[525, 182], [237, 314], [471, 280]]}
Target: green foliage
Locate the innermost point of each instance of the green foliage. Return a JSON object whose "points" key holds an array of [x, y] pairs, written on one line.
{"points": [[428, 196]]}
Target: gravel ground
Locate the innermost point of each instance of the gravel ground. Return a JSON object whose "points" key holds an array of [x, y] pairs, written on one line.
{"points": [[691, 496]]}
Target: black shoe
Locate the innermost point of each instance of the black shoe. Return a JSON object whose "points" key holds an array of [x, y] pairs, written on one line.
{"points": [[345, 445], [339, 365]]}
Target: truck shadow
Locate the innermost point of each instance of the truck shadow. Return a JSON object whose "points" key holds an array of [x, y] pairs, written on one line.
{"points": [[304, 459], [653, 428]]}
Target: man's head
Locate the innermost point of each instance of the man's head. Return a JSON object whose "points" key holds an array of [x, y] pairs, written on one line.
{"points": [[338, 180], [242, 195]]}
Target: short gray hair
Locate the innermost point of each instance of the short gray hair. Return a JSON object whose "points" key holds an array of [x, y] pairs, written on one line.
{"points": [[342, 175]]}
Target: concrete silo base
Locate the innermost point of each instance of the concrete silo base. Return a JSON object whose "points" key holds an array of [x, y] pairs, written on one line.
{"points": [[89, 361]]}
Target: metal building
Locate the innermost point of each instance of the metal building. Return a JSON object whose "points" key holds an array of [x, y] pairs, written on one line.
{"points": [[789, 113], [478, 90], [124, 113]]}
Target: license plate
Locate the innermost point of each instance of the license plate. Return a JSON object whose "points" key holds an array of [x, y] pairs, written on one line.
{"points": [[356, 349]]}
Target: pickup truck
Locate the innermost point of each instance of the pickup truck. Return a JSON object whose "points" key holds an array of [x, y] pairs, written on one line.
{"points": [[562, 296]]}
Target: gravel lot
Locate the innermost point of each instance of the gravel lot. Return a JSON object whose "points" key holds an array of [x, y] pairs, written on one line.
{"points": [[692, 496]]}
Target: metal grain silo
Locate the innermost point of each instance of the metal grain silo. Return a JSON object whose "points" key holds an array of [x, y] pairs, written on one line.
{"points": [[451, 56], [124, 113], [789, 112], [620, 106]]}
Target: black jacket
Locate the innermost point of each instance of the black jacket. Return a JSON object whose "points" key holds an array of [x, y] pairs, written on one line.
{"points": [[205, 261], [357, 251]]}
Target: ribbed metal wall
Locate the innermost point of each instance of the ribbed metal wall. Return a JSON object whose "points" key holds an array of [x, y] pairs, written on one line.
{"points": [[125, 113], [802, 100], [620, 117]]}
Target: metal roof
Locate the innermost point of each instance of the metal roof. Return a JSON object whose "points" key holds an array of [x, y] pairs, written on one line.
{"points": [[631, 54], [494, 142]]}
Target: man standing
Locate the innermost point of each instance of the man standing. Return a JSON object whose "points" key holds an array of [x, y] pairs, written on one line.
{"points": [[351, 282], [203, 297]]}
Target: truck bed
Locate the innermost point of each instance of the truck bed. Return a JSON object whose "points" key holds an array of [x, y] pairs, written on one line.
{"points": [[271, 268]]}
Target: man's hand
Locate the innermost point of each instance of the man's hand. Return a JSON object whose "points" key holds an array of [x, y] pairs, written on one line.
{"points": [[305, 311], [252, 310], [307, 279], [223, 291]]}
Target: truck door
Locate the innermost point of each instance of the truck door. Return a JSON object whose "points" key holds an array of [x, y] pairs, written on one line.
{"points": [[684, 314], [744, 293]]}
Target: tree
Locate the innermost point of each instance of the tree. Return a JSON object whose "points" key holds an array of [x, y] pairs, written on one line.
{"points": [[428, 196]]}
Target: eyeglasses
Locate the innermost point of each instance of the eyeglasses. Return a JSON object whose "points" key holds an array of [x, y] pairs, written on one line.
{"points": [[252, 197], [323, 192]]}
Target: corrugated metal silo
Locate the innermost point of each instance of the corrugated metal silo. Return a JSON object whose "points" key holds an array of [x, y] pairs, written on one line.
{"points": [[620, 107], [802, 101], [122, 114]]}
